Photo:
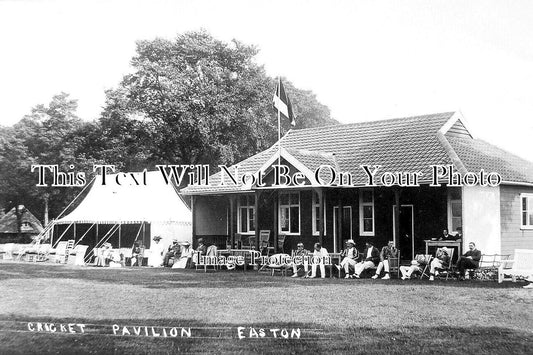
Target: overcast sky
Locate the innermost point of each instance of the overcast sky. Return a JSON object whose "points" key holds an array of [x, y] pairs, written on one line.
{"points": [[365, 60]]}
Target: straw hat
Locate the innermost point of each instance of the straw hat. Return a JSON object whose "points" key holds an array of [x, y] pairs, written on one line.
{"points": [[350, 241], [185, 243]]}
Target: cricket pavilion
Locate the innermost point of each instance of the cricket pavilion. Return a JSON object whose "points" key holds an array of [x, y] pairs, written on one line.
{"points": [[333, 199]]}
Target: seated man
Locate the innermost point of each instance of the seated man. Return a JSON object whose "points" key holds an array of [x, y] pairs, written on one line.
{"points": [[350, 255], [202, 248], [318, 259], [469, 260], [416, 266], [136, 254], [299, 252], [174, 251], [388, 251], [441, 258], [371, 259]]}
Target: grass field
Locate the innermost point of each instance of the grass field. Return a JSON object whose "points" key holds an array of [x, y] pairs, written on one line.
{"points": [[340, 316]]}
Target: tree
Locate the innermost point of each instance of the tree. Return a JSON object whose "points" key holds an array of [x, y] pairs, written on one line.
{"points": [[50, 135], [201, 100]]}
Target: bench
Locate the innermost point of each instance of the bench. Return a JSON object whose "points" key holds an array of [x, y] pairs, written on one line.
{"points": [[520, 266]]}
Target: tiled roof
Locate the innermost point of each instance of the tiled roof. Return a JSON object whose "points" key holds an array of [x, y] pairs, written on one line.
{"points": [[408, 144], [477, 154], [8, 223]]}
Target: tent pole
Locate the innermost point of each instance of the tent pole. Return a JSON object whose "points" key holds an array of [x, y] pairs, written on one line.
{"points": [[96, 233], [84, 234], [74, 231], [62, 235], [119, 234]]}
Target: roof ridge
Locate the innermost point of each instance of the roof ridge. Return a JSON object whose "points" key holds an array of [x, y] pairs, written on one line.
{"points": [[387, 120]]}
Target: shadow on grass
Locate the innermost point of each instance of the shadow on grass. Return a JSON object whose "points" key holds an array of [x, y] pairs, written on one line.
{"points": [[163, 278], [223, 338]]}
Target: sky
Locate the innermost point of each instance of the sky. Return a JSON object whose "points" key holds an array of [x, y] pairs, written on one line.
{"points": [[365, 60]]}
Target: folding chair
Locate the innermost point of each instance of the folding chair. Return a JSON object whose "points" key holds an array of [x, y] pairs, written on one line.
{"points": [[278, 264], [264, 242], [209, 254], [238, 241], [281, 242], [251, 242], [394, 265], [446, 267]]}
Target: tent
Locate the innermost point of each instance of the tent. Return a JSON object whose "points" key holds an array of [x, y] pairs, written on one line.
{"points": [[128, 207]]}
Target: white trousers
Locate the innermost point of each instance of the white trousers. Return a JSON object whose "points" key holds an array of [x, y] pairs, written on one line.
{"points": [[322, 270], [408, 270], [346, 263], [295, 267], [435, 264], [383, 265], [360, 267]]}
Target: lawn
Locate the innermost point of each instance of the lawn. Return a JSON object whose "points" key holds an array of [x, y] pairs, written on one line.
{"points": [[347, 316]]}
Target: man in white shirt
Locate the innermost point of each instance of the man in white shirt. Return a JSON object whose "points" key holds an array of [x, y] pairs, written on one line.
{"points": [[350, 256], [319, 255]]}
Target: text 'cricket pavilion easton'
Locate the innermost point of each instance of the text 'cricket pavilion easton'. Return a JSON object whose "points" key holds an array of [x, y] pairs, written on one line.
{"points": [[498, 219]]}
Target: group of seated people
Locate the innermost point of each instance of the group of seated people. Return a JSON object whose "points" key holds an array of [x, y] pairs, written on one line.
{"points": [[350, 256], [469, 260], [354, 263], [177, 255]]}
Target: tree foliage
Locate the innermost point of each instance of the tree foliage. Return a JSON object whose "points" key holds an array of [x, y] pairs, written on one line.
{"points": [[191, 100]]}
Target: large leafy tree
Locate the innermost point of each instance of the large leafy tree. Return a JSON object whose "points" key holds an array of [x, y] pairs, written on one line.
{"points": [[51, 135], [197, 99]]}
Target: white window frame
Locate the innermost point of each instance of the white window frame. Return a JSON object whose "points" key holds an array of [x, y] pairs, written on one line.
{"points": [[451, 201], [251, 209], [362, 204], [280, 206], [528, 210], [316, 204]]}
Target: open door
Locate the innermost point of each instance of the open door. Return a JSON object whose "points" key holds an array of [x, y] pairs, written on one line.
{"points": [[405, 242]]}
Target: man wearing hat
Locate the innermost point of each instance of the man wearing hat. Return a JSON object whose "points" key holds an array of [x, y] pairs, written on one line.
{"points": [[388, 251], [201, 247], [172, 252], [441, 257], [371, 259], [299, 252], [350, 255]]}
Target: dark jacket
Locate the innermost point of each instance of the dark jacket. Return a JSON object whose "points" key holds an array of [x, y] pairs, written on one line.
{"points": [[387, 253], [475, 254], [344, 253], [374, 257]]}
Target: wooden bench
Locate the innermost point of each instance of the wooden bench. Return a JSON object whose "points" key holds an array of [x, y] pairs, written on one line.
{"points": [[521, 265]]}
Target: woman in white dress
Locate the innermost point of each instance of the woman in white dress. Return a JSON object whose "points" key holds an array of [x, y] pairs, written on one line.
{"points": [[157, 249], [186, 254]]}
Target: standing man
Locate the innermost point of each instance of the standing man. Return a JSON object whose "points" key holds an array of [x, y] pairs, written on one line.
{"points": [[371, 259], [389, 251], [350, 255], [318, 259], [470, 260]]}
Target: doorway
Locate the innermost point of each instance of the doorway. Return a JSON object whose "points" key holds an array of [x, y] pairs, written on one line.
{"points": [[346, 227], [405, 242]]}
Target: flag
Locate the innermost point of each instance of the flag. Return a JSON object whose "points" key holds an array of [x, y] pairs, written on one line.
{"points": [[282, 103]]}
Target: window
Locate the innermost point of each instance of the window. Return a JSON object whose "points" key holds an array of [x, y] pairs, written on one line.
{"points": [[526, 209], [246, 214], [289, 212], [366, 212], [316, 214], [455, 210]]}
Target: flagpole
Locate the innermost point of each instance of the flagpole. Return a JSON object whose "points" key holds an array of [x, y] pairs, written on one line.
{"points": [[279, 128]]}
